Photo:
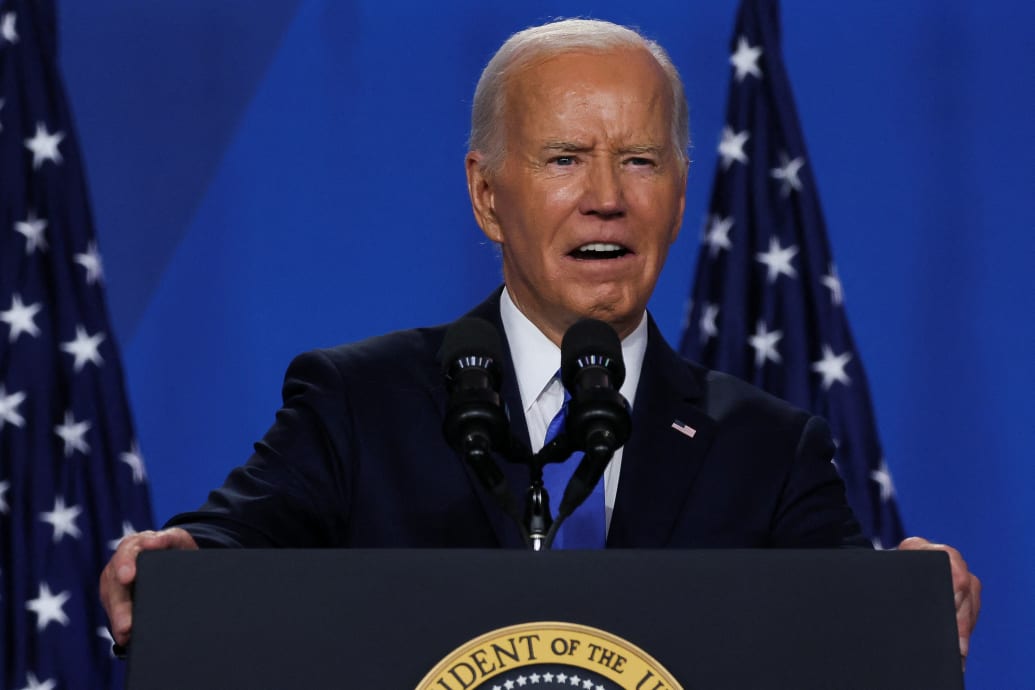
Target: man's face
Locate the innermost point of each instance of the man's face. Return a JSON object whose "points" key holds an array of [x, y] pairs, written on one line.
{"points": [[590, 193]]}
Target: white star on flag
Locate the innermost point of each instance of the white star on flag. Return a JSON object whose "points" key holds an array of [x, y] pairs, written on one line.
{"points": [[509, 685], [103, 633], [574, 680], [833, 282], [4, 488], [84, 348], [33, 227], [882, 476], [72, 432], [745, 59], [7, 29], [708, 327], [44, 146], [48, 607], [548, 677], [127, 531], [764, 344], [62, 518], [718, 236], [35, 684], [731, 148], [787, 174], [135, 461], [832, 367], [561, 677], [21, 318], [9, 407], [534, 678], [91, 261], [778, 260]]}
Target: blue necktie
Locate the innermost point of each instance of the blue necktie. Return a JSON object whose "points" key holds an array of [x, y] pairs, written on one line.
{"points": [[585, 528]]}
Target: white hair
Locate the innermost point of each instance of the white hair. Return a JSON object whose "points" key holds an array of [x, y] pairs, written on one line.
{"points": [[551, 39]]}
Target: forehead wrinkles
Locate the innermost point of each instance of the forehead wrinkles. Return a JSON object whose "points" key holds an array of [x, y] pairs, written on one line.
{"points": [[558, 101]]}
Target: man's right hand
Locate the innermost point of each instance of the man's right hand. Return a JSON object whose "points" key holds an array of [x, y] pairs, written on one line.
{"points": [[118, 576]]}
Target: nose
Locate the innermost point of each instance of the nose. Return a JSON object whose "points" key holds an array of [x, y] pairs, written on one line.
{"points": [[603, 195]]}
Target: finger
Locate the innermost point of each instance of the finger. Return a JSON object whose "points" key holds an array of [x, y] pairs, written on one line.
{"points": [[913, 543], [119, 572], [961, 576], [921, 544], [964, 621], [967, 615], [120, 615], [123, 563], [118, 575], [116, 597], [975, 595], [969, 606], [125, 558]]}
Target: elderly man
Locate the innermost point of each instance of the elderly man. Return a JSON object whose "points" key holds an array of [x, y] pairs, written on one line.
{"points": [[577, 170]]}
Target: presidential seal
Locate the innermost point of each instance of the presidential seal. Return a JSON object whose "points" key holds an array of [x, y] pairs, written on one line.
{"points": [[548, 656]]}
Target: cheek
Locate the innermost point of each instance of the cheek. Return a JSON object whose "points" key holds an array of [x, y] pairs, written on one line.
{"points": [[535, 219], [662, 213], [562, 191]]}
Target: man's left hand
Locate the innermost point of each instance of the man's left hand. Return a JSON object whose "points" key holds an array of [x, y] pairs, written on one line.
{"points": [[965, 585]]}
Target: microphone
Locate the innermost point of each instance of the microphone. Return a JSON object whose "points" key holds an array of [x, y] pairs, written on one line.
{"points": [[593, 372], [598, 421], [475, 423]]}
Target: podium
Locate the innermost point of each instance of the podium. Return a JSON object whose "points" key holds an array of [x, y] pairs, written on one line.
{"points": [[483, 619]]}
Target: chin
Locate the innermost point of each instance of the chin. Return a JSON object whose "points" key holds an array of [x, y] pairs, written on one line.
{"points": [[614, 312]]}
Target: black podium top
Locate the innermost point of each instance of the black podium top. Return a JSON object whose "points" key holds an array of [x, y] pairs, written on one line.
{"points": [[383, 619]]}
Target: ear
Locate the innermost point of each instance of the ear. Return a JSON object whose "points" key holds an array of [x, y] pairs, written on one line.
{"points": [[480, 188], [682, 201]]}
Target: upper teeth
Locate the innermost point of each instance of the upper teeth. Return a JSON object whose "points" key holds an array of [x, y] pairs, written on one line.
{"points": [[600, 247]]}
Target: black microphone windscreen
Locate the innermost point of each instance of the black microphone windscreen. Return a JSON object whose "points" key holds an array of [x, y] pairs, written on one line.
{"points": [[470, 337], [590, 339]]}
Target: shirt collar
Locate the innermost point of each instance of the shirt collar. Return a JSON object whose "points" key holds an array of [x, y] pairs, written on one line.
{"points": [[536, 359]]}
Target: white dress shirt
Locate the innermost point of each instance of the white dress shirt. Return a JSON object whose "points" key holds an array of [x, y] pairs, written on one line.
{"points": [[536, 361]]}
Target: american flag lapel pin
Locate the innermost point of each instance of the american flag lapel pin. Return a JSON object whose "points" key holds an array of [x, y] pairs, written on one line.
{"points": [[684, 428]]}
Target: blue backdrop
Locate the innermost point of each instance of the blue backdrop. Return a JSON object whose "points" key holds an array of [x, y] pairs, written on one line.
{"points": [[270, 177]]}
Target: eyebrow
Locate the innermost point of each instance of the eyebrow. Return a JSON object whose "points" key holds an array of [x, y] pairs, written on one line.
{"points": [[644, 148], [567, 146], [578, 147]]}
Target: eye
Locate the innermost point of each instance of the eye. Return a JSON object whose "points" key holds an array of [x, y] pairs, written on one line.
{"points": [[640, 161], [563, 160]]}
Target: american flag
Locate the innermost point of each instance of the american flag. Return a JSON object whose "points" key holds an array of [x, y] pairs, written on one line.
{"points": [[72, 481], [767, 304]]}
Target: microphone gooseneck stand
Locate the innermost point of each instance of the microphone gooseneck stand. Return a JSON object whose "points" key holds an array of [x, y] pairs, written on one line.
{"points": [[538, 528], [538, 522]]}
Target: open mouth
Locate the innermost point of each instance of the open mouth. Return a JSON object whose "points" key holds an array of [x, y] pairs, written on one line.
{"points": [[596, 251]]}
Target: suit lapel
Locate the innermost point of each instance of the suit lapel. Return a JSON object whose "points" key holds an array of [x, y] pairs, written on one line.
{"points": [[659, 462]]}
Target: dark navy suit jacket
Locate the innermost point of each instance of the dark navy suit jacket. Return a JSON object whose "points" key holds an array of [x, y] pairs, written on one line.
{"points": [[356, 458]]}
